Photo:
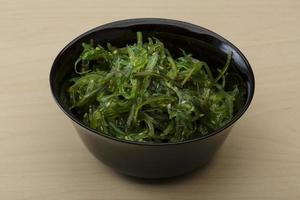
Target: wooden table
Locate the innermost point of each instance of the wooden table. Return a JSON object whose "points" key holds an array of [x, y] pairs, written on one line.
{"points": [[41, 156]]}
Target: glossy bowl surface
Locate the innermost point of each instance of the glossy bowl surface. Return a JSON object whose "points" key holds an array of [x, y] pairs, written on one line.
{"points": [[152, 160]]}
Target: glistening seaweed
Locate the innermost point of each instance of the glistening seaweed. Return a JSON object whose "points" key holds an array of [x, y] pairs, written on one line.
{"points": [[142, 93]]}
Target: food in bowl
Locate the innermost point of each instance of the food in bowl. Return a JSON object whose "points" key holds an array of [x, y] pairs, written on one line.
{"points": [[141, 92], [150, 159]]}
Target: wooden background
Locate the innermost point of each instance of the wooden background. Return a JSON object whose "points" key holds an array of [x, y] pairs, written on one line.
{"points": [[41, 156]]}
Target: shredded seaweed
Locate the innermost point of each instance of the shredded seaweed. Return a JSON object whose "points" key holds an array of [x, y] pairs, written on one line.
{"points": [[141, 93]]}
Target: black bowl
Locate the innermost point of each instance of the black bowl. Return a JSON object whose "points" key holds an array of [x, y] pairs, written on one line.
{"points": [[152, 160]]}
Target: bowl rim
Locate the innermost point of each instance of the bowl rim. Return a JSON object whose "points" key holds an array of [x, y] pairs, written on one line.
{"points": [[158, 21]]}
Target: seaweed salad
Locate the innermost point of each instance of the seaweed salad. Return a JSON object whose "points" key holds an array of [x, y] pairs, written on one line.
{"points": [[140, 92]]}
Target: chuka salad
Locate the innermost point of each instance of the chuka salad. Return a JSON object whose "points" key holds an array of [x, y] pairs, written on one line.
{"points": [[142, 93]]}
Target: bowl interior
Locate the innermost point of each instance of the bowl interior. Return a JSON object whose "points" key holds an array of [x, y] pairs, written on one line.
{"points": [[201, 43]]}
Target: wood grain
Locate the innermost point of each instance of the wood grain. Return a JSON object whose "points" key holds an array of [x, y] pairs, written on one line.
{"points": [[41, 156]]}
